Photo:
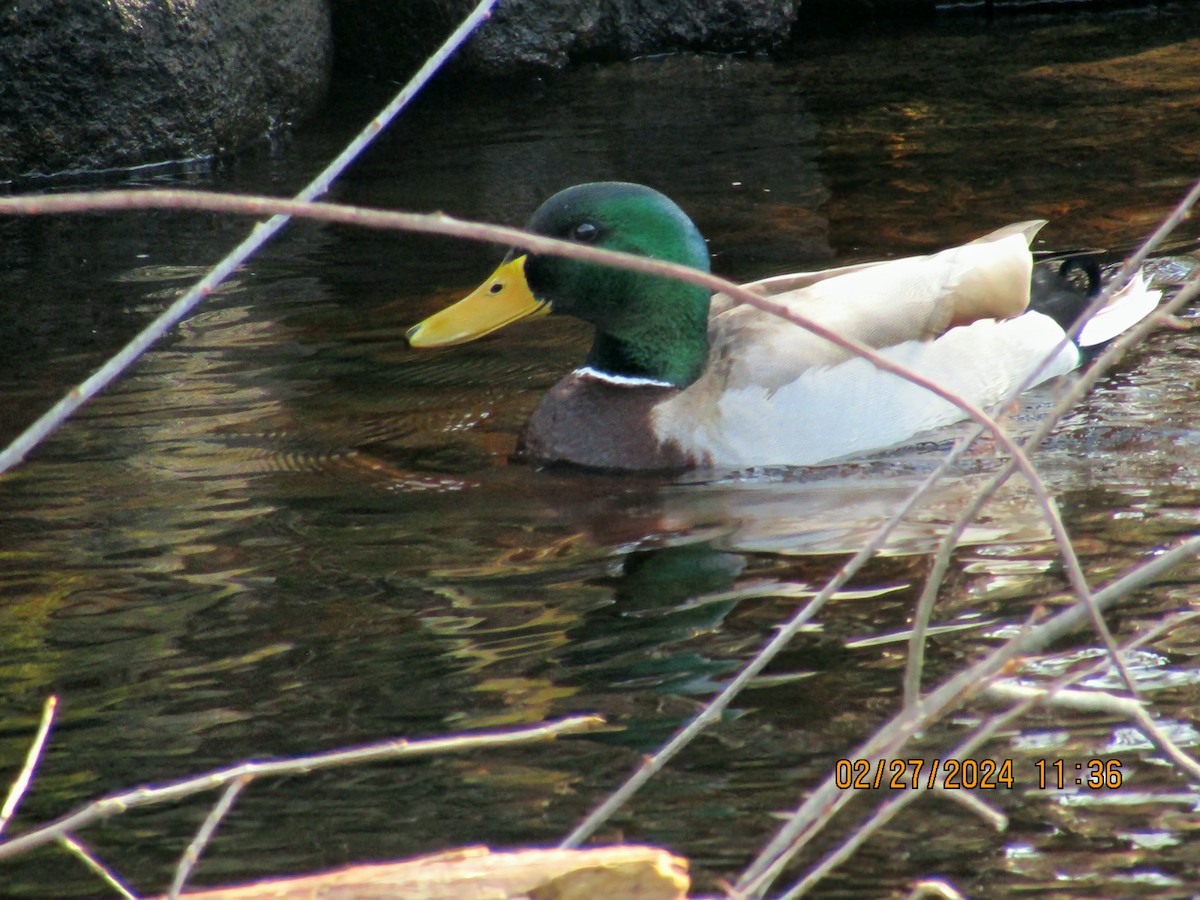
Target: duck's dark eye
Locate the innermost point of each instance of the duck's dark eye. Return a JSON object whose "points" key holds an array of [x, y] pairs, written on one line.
{"points": [[584, 232]]}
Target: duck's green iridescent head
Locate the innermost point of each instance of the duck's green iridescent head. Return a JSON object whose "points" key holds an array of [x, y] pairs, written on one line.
{"points": [[646, 326]]}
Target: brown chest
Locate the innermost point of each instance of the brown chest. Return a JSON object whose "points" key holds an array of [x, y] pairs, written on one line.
{"points": [[590, 422]]}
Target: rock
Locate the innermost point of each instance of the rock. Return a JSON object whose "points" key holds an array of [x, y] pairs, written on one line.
{"points": [[87, 85], [856, 12], [386, 39]]}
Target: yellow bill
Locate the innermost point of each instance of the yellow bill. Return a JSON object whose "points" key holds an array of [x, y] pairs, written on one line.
{"points": [[501, 300]]}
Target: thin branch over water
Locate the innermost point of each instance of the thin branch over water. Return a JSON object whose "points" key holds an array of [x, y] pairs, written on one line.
{"points": [[150, 795], [888, 740], [53, 418], [21, 784]]}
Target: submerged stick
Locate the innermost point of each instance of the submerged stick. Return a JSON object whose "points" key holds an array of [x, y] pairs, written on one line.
{"points": [[77, 848]]}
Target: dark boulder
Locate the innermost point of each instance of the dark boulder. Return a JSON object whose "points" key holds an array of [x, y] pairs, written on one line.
{"points": [[387, 39], [858, 12], [87, 85]]}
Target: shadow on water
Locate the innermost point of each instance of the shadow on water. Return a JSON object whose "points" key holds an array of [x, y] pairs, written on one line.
{"points": [[284, 531]]}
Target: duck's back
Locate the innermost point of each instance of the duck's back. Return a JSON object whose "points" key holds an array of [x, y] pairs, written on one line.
{"points": [[879, 304], [776, 393]]}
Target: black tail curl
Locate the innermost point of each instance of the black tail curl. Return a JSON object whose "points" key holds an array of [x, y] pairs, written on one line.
{"points": [[1062, 294]]}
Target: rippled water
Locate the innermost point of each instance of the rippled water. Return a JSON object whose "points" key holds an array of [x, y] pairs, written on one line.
{"points": [[287, 532]]}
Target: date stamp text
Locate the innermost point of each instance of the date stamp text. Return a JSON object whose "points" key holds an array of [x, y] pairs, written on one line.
{"points": [[984, 774]]}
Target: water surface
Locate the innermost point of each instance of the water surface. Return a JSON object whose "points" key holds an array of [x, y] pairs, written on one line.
{"points": [[286, 532]]}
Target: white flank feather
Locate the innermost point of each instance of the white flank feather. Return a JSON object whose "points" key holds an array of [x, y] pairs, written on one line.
{"points": [[1127, 307], [852, 407]]}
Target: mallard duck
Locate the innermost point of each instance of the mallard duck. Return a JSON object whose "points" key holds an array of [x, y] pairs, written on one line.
{"points": [[679, 379]]}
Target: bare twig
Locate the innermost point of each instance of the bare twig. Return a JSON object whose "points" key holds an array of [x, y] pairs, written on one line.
{"points": [[77, 848], [1006, 691], [965, 749], [208, 828], [975, 804], [880, 816], [181, 308], [394, 749], [1077, 389], [887, 741], [21, 785], [1166, 745]]}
